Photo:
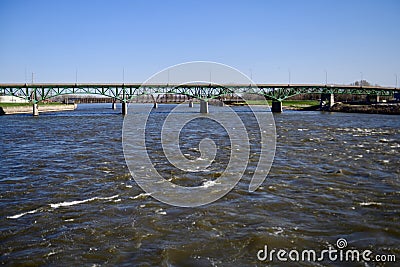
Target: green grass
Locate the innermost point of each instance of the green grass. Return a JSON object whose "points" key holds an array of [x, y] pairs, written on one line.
{"points": [[287, 103], [28, 104], [300, 103], [257, 102]]}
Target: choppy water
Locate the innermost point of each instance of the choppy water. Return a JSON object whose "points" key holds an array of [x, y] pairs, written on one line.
{"points": [[67, 197]]}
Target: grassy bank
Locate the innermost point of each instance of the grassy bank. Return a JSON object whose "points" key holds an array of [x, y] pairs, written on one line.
{"points": [[300, 104], [290, 104]]}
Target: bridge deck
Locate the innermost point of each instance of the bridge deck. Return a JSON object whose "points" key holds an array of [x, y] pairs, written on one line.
{"points": [[171, 85], [128, 91]]}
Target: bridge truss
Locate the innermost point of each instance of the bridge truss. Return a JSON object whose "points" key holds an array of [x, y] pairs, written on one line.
{"points": [[127, 92]]}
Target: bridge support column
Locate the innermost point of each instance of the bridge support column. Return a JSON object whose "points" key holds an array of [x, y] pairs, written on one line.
{"points": [[114, 105], [35, 111], [155, 105], [331, 100], [276, 106], [190, 104], [327, 101], [203, 106], [372, 98], [124, 108]]}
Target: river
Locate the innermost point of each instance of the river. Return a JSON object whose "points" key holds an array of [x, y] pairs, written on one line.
{"points": [[67, 198]]}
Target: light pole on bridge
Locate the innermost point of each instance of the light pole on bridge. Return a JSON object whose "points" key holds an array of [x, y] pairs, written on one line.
{"points": [[396, 79], [326, 77]]}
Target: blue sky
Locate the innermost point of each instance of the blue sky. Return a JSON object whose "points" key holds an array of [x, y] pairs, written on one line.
{"points": [[99, 39]]}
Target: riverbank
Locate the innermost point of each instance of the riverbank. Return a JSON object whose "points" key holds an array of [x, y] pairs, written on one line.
{"points": [[286, 104], [305, 105], [381, 108], [12, 108]]}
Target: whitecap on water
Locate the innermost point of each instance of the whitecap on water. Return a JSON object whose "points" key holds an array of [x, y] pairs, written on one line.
{"points": [[207, 184], [71, 203], [370, 204], [141, 195], [160, 211], [22, 214], [384, 140], [61, 204]]}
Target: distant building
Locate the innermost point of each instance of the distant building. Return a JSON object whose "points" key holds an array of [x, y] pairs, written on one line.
{"points": [[12, 99]]}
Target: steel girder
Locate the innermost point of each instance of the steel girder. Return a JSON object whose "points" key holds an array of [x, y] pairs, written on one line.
{"points": [[127, 92]]}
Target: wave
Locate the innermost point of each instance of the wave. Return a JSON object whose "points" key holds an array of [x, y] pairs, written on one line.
{"points": [[71, 203], [61, 204], [370, 204], [22, 214], [141, 195]]}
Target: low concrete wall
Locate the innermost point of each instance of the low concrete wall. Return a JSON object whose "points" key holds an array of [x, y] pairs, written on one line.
{"points": [[42, 108], [12, 99]]}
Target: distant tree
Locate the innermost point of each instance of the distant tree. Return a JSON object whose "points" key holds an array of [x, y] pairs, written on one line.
{"points": [[362, 82]]}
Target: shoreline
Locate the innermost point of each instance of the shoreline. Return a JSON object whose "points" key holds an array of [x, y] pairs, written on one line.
{"points": [[27, 109], [381, 108]]}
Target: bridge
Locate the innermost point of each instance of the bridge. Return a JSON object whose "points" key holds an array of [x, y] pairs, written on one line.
{"points": [[37, 92]]}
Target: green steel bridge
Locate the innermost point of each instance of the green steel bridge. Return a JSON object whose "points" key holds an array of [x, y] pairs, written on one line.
{"points": [[37, 92]]}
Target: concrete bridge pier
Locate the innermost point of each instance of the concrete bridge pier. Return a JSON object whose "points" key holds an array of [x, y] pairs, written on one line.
{"points": [[203, 106], [114, 105], [124, 108], [155, 105], [327, 101], [190, 103], [276, 106], [35, 111], [372, 98], [221, 102]]}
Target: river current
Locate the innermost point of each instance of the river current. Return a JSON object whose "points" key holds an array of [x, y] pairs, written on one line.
{"points": [[67, 197]]}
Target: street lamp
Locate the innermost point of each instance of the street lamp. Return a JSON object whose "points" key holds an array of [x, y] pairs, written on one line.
{"points": [[396, 80], [326, 77]]}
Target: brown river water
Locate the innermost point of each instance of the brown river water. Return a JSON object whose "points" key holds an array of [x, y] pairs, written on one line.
{"points": [[67, 197]]}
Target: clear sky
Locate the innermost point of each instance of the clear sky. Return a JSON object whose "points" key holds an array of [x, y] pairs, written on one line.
{"points": [[98, 39]]}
